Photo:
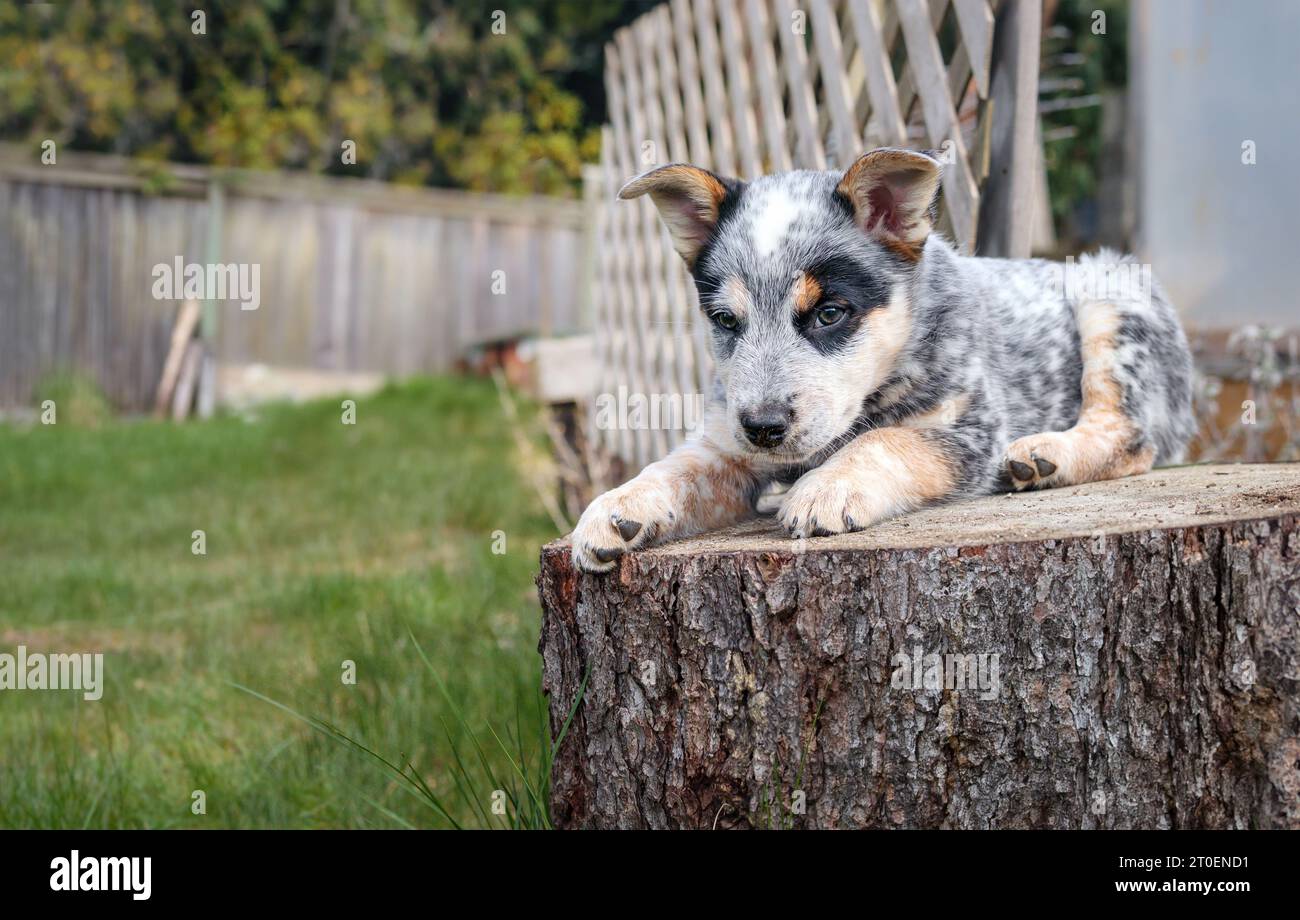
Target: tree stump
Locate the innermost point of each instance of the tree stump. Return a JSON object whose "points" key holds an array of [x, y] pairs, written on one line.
{"points": [[1120, 654]]}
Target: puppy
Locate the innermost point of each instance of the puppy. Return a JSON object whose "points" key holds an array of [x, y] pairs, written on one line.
{"points": [[862, 359]]}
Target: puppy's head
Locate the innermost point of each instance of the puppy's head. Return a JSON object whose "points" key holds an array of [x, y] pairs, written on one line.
{"points": [[802, 278]]}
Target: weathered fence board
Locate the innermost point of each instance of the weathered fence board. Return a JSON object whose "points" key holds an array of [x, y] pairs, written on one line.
{"points": [[354, 275]]}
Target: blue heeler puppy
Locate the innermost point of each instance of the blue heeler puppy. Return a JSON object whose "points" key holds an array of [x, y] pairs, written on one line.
{"points": [[864, 360]]}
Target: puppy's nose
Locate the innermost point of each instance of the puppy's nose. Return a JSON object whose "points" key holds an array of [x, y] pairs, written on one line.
{"points": [[766, 426]]}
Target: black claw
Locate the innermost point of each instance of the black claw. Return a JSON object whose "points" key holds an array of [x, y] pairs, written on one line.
{"points": [[1022, 471], [628, 529], [1045, 467], [821, 532], [605, 555]]}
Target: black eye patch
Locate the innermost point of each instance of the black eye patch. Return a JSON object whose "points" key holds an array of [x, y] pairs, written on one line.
{"points": [[834, 337], [849, 293], [846, 279]]}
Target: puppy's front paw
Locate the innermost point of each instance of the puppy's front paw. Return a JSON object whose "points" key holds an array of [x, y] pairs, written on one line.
{"points": [[827, 501], [1034, 461], [627, 518]]}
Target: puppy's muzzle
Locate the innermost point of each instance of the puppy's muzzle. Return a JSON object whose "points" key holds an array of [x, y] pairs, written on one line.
{"points": [[767, 425]]}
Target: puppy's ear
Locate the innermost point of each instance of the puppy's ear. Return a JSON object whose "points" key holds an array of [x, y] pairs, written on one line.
{"points": [[893, 193], [688, 199]]}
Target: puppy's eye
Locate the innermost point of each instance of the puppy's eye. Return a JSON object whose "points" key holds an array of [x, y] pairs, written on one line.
{"points": [[725, 319], [829, 315]]}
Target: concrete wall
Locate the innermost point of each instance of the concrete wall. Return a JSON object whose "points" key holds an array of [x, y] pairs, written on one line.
{"points": [[1224, 237]]}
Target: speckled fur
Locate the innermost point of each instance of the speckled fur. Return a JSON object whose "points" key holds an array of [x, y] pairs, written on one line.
{"points": [[949, 376]]}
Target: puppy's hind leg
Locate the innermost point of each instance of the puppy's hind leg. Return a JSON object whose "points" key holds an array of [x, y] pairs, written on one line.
{"points": [[1106, 442]]}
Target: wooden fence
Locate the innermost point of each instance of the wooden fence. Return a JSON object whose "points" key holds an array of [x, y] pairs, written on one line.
{"points": [[744, 87], [354, 275]]}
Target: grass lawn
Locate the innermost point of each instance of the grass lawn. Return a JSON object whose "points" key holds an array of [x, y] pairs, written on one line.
{"points": [[326, 543]]}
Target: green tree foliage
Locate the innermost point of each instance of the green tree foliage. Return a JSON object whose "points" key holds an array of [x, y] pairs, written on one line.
{"points": [[1100, 64], [437, 92]]}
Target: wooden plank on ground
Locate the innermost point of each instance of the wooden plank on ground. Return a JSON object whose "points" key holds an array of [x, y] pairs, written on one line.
{"points": [[187, 320], [188, 380]]}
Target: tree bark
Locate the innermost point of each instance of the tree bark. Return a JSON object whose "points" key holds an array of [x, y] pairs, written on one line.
{"points": [[1144, 635]]}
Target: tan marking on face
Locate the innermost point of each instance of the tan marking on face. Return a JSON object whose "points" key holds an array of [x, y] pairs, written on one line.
{"points": [[735, 297], [805, 294], [886, 331]]}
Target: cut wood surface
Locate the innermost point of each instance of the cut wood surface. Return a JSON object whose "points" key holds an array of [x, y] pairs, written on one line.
{"points": [[1134, 655]]}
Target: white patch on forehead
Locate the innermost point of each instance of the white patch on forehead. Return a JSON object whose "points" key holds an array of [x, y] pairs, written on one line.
{"points": [[773, 216]]}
